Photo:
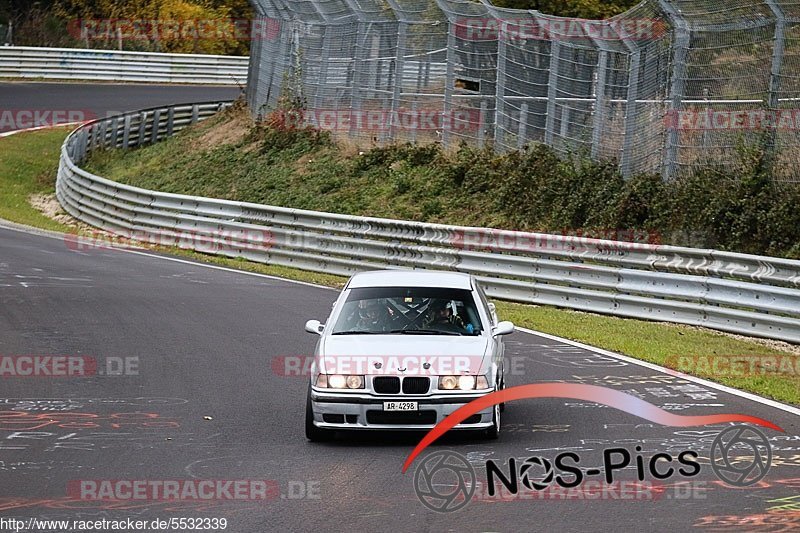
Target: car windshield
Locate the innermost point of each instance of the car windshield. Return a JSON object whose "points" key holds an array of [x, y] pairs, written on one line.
{"points": [[409, 311]]}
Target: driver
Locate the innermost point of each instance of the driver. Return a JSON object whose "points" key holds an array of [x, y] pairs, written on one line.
{"points": [[372, 316], [441, 317]]}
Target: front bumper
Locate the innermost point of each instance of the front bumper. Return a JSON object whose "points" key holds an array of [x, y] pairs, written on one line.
{"points": [[365, 411]]}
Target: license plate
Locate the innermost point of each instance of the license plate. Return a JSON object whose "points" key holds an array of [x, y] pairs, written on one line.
{"points": [[400, 406]]}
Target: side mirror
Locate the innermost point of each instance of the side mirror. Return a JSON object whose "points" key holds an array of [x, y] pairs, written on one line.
{"points": [[503, 328], [313, 326]]}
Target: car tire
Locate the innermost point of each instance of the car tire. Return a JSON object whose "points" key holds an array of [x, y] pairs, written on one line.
{"points": [[494, 431], [502, 387], [313, 433]]}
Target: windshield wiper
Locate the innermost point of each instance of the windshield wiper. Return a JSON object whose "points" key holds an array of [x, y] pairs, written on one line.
{"points": [[412, 331], [358, 332]]}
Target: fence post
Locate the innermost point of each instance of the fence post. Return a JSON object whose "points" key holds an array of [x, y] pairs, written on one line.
{"points": [[599, 103], [357, 80], [500, 90], [322, 82], [680, 49], [522, 133], [449, 82], [775, 72], [399, 68], [414, 114], [481, 122], [552, 91], [628, 142]]}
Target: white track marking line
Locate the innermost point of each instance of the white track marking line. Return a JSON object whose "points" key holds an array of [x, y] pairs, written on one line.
{"points": [[37, 128], [651, 366], [5, 224], [664, 370]]}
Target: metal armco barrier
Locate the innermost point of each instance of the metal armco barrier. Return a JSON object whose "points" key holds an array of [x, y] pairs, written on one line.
{"points": [[732, 292], [110, 65]]}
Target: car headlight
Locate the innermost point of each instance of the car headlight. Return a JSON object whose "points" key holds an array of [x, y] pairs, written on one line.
{"points": [[339, 381], [355, 382], [466, 382], [448, 382], [463, 382]]}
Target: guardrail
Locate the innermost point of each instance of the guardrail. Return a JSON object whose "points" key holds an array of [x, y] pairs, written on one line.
{"points": [[110, 65], [732, 292]]}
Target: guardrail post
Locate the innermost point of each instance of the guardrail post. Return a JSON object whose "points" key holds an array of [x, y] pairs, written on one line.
{"points": [[114, 132], [142, 128], [170, 121], [126, 132], [156, 125], [84, 143], [95, 136], [195, 113]]}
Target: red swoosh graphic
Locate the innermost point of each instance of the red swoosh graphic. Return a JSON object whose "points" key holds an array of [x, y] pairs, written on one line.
{"points": [[590, 393]]}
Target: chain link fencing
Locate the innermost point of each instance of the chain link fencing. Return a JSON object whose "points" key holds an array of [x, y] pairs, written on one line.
{"points": [[667, 87]]}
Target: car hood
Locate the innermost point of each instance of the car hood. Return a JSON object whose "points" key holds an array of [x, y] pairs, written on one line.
{"points": [[382, 354]]}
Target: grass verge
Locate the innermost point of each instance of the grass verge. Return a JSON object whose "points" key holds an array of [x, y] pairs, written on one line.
{"points": [[27, 166]]}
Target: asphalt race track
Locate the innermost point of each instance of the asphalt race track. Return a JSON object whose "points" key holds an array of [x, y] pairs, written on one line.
{"points": [[97, 100], [207, 342]]}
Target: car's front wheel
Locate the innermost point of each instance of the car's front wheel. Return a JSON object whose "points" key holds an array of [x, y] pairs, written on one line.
{"points": [[494, 431], [313, 433]]}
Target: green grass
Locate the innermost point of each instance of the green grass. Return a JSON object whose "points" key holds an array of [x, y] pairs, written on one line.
{"points": [[29, 161], [28, 165], [659, 343]]}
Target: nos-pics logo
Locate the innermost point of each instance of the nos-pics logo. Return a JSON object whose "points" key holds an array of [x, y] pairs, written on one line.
{"points": [[445, 481]]}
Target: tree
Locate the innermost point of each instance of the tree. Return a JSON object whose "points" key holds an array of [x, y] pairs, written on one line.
{"points": [[591, 9]]}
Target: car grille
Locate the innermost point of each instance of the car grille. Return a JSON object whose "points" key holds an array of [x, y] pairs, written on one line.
{"points": [[401, 417], [386, 384], [415, 385]]}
